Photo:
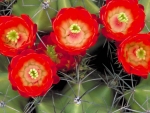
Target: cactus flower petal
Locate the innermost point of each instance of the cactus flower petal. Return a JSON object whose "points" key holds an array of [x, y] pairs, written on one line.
{"points": [[32, 74], [134, 54], [17, 34], [75, 30], [121, 19]]}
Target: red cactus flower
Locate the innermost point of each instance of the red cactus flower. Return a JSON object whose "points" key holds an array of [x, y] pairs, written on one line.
{"points": [[16, 34], [75, 30], [136, 1], [32, 74], [62, 59], [121, 19], [134, 54]]}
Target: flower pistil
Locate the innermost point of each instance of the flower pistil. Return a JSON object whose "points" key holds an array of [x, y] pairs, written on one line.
{"points": [[13, 36], [140, 53], [122, 17], [33, 73], [75, 28]]}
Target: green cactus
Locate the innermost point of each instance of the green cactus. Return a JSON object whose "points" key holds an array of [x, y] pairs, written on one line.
{"points": [[4, 64], [82, 93], [63, 4], [10, 101], [146, 4], [98, 100], [40, 11], [139, 97], [88, 4]]}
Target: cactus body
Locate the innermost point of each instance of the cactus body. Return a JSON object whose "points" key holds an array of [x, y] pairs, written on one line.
{"points": [[88, 4], [12, 101], [4, 64], [63, 4], [146, 4], [41, 13], [98, 100], [140, 96]]}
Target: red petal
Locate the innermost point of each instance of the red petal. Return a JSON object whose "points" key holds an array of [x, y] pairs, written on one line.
{"points": [[130, 68], [56, 79], [27, 51], [17, 80]]}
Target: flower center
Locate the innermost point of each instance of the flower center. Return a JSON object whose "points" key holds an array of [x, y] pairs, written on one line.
{"points": [[13, 36], [122, 17], [33, 73], [75, 28], [140, 54]]}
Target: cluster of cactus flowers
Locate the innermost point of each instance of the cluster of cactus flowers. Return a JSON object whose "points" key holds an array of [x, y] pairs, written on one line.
{"points": [[47, 48]]}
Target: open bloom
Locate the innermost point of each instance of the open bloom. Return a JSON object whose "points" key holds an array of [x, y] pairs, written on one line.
{"points": [[134, 54], [75, 30], [32, 74], [122, 18], [16, 34], [62, 59]]}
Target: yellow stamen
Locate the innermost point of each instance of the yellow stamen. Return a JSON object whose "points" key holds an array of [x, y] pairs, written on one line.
{"points": [[75, 28], [33, 73], [140, 53], [122, 17], [13, 36]]}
